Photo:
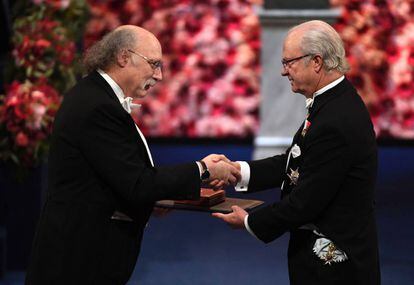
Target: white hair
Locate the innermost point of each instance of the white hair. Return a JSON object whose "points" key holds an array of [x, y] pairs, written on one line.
{"points": [[320, 38]]}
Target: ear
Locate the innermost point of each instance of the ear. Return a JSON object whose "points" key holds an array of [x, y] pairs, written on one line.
{"points": [[122, 58], [317, 63]]}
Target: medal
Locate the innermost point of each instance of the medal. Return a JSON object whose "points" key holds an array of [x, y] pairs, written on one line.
{"points": [[306, 127], [293, 176]]}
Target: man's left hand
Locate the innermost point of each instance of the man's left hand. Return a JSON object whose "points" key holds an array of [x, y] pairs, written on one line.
{"points": [[235, 219]]}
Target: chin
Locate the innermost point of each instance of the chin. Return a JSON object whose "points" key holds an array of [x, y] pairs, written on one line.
{"points": [[296, 89], [141, 93]]}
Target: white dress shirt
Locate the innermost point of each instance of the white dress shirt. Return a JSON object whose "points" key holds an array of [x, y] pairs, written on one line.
{"points": [[121, 97]]}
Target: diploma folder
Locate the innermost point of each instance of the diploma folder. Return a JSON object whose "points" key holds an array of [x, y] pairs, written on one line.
{"points": [[210, 201]]}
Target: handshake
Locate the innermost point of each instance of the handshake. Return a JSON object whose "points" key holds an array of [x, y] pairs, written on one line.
{"points": [[223, 172]]}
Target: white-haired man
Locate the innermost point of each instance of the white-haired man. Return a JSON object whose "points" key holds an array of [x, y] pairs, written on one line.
{"points": [[328, 174]]}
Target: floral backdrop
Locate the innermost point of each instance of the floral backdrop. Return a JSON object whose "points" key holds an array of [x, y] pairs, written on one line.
{"points": [[43, 65], [379, 38], [211, 52]]}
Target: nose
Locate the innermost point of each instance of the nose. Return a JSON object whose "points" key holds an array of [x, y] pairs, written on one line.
{"points": [[284, 71], [157, 74]]}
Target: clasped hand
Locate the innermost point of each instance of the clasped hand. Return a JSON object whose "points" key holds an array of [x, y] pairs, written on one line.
{"points": [[223, 172]]}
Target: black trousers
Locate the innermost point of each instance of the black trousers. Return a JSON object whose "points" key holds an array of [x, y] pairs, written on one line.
{"points": [[307, 268], [121, 254], [113, 264]]}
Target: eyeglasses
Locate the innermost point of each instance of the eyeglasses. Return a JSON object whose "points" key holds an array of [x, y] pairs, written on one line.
{"points": [[287, 62], [154, 63]]}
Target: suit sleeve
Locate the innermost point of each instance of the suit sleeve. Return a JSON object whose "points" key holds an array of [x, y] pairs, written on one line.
{"points": [[325, 162], [111, 149], [267, 173]]}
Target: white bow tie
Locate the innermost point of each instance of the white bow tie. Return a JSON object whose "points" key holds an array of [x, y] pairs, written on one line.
{"points": [[309, 103], [128, 105]]}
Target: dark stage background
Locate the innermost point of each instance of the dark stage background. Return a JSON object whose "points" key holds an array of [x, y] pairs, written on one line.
{"points": [[193, 248]]}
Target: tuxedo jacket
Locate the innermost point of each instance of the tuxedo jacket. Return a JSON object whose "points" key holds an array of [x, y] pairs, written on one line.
{"points": [[336, 162], [98, 164]]}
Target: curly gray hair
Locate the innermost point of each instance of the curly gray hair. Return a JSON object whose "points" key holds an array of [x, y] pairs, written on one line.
{"points": [[103, 53]]}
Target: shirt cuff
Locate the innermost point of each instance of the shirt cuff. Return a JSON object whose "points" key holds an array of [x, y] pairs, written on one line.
{"points": [[200, 168], [242, 185], [246, 225]]}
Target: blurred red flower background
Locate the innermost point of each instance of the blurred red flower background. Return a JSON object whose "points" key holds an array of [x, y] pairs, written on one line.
{"points": [[27, 112], [211, 52], [43, 65], [379, 38]]}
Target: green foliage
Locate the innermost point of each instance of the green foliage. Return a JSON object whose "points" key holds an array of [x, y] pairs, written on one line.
{"points": [[43, 64]]}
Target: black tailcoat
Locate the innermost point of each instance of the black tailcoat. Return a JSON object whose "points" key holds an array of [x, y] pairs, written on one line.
{"points": [[335, 192], [98, 164]]}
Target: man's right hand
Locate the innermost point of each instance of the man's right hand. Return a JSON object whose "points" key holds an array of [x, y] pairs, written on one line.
{"points": [[223, 172]]}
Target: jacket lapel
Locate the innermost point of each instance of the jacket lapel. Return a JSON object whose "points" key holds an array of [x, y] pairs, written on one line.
{"points": [[101, 82], [329, 95], [320, 101]]}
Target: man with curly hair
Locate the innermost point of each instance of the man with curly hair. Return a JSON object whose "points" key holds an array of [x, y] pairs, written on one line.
{"points": [[102, 180]]}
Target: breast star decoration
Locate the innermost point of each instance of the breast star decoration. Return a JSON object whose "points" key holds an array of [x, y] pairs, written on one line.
{"points": [[327, 251], [293, 176]]}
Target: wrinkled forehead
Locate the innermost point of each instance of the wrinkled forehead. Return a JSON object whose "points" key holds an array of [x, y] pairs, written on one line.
{"points": [[149, 46]]}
